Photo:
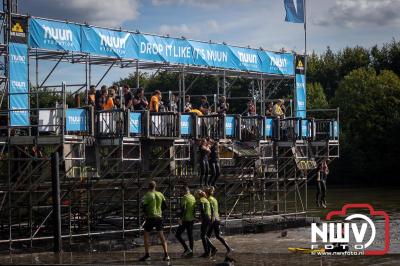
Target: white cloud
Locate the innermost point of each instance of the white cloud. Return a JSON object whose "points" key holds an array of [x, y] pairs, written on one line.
{"points": [[201, 3], [353, 13], [195, 30], [98, 12]]}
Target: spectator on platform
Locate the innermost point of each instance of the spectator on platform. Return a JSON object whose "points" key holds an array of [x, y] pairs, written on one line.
{"points": [[155, 101], [188, 104], [92, 96], [101, 97], [128, 99], [204, 166], [204, 105], [139, 101], [173, 103], [268, 110], [222, 106], [277, 110], [251, 109], [110, 98]]}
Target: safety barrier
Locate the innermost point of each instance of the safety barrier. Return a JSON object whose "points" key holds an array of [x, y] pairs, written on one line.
{"points": [[252, 128], [110, 123], [165, 124], [211, 126], [125, 123]]}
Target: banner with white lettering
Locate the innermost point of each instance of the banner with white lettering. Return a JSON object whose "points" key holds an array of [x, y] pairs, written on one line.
{"points": [[230, 126], [18, 87], [54, 35], [135, 125], [76, 120]]}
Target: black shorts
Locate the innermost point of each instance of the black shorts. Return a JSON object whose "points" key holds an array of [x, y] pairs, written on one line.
{"points": [[152, 223]]}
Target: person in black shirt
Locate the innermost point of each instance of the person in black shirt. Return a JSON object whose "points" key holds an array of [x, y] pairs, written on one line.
{"points": [[204, 105], [222, 106], [214, 163], [139, 101], [128, 99], [204, 166], [188, 105]]}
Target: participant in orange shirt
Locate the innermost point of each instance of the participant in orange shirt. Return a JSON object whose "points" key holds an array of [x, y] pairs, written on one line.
{"points": [[155, 101]]}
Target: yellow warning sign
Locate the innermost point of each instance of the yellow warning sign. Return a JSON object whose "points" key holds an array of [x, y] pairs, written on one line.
{"points": [[300, 64], [17, 28]]}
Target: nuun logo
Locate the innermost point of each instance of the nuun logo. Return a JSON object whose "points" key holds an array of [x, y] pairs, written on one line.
{"points": [[229, 125], [301, 103], [135, 123], [184, 124], [278, 61], [300, 85], [18, 58], [18, 84], [76, 120], [57, 34], [247, 58], [113, 42]]}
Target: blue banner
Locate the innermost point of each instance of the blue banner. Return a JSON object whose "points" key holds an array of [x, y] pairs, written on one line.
{"points": [[53, 35], [293, 14], [18, 87], [110, 43], [301, 96], [186, 125], [304, 128], [230, 126], [135, 124], [76, 120], [334, 129], [268, 126]]}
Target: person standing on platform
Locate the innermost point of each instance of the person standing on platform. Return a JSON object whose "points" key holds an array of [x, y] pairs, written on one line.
{"points": [[128, 99], [322, 175], [215, 222], [222, 106], [204, 165], [153, 205], [204, 207], [186, 221], [204, 105], [214, 163], [155, 101], [92, 96], [188, 105], [139, 101]]}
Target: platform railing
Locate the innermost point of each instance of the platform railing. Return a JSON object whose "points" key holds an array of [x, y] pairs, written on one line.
{"points": [[110, 123], [252, 128], [211, 126], [164, 124], [288, 129], [325, 129]]}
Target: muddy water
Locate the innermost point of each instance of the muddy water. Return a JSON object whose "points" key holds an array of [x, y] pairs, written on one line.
{"points": [[255, 249]]}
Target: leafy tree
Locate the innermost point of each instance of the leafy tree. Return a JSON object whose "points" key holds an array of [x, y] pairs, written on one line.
{"points": [[316, 98], [370, 117]]}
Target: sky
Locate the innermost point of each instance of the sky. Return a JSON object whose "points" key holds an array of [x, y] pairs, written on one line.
{"points": [[254, 23]]}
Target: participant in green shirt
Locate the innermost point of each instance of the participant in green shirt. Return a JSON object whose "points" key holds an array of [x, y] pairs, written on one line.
{"points": [[215, 223], [186, 221], [153, 205], [205, 217]]}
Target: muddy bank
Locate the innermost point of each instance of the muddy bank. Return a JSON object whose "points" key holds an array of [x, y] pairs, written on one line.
{"points": [[253, 249]]}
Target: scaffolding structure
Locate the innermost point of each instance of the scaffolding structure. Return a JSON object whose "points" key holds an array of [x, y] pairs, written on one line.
{"points": [[104, 170]]}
